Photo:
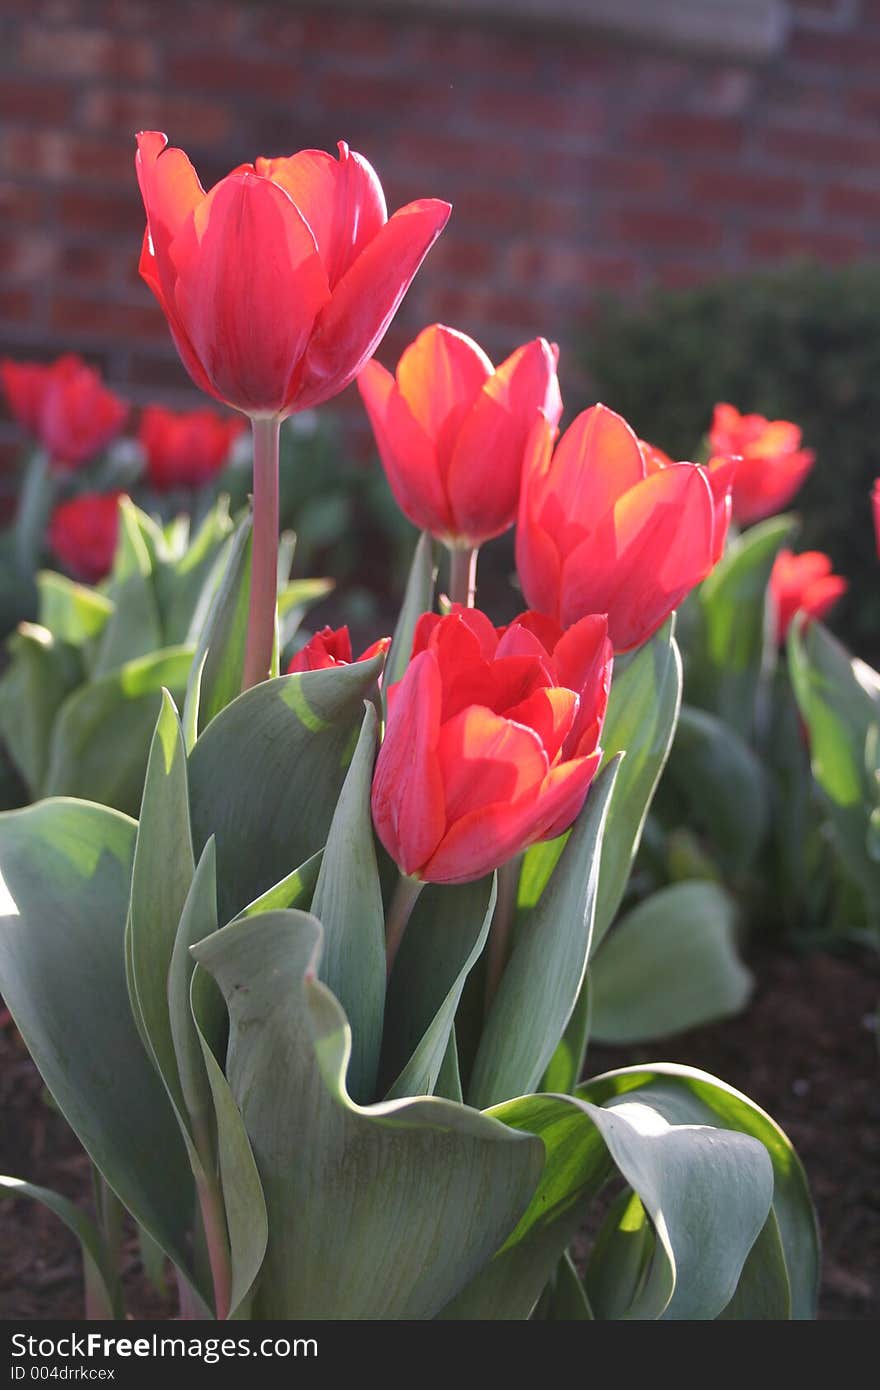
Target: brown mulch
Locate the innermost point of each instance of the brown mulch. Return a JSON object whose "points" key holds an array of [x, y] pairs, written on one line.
{"points": [[806, 1050]]}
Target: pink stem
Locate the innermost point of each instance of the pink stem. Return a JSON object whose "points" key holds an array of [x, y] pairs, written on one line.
{"points": [[264, 561], [463, 575]]}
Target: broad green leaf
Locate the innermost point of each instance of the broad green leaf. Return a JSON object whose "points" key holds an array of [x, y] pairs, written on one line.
{"points": [[416, 601], [669, 965], [295, 890], [707, 1191], [642, 714], [102, 1287], [348, 903], [839, 702], [620, 1258], [686, 1096], [33, 511], [243, 1201], [442, 943], [132, 548], [564, 1299], [222, 626], [198, 919], [162, 875], [65, 871], [102, 734], [133, 629], [72, 612], [566, 1066], [539, 989], [266, 774], [40, 675], [723, 674], [181, 580], [720, 786], [388, 1209], [295, 598], [763, 1292]]}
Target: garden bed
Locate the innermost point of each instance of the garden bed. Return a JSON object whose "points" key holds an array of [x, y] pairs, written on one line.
{"points": [[806, 1051]]}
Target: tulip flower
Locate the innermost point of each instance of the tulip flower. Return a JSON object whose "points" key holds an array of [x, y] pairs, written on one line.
{"points": [[278, 285], [491, 744], [65, 406], [185, 450], [83, 534], [720, 472], [772, 465], [600, 531], [452, 431], [802, 583], [331, 647]]}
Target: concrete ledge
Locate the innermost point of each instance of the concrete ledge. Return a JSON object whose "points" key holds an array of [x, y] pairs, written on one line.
{"points": [[744, 30]]}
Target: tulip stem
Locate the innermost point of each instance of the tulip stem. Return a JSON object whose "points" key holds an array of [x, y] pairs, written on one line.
{"points": [[463, 575], [264, 555], [399, 912], [502, 923]]}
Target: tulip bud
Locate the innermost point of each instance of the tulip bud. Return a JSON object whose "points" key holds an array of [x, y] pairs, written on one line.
{"points": [[771, 464]]}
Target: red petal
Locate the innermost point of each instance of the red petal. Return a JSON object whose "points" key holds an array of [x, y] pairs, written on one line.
{"points": [[250, 286], [342, 201], [366, 299], [171, 192], [408, 794], [485, 758], [596, 462], [407, 454], [551, 712], [564, 793], [485, 471], [537, 556]]}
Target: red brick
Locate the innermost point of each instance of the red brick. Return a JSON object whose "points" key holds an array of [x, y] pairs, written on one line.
{"points": [[162, 374], [863, 103], [730, 187], [837, 50], [844, 200], [660, 227], [463, 257], [682, 275], [86, 262], [56, 154], [122, 212], [40, 102], [569, 268], [574, 115], [27, 256], [786, 242], [468, 49], [620, 173], [439, 149], [19, 203], [366, 37], [187, 120], [823, 147], [87, 53], [499, 211], [94, 317], [259, 78], [16, 305], [688, 132]]}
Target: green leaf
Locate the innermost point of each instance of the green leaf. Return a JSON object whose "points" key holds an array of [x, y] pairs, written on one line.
{"points": [[723, 674], [72, 612], [348, 903], [567, 1063], [669, 965], [180, 581], [33, 512], [442, 943], [133, 629], [839, 702], [102, 734], [163, 873], [388, 1209], [295, 890], [721, 785], [763, 1292], [707, 1191], [641, 719], [218, 662], [295, 598], [416, 601], [40, 675], [266, 774], [243, 1201], [65, 870], [539, 989], [620, 1258], [100, 1281], [686, 1096], [564, 1299]]}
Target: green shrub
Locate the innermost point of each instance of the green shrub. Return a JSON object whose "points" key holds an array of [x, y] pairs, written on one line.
{"points": [[801, 344]]}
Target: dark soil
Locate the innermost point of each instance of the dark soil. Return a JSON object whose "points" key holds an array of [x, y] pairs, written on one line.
{"points": [[806, 1051]]}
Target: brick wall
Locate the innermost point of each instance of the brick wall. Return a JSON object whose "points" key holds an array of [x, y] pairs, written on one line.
{"points": [[574, 164]]}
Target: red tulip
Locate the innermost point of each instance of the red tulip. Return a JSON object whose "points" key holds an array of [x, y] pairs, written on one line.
{"points": [[720, 473], [491, 742], [802, 583], [599, 532], [83, 534], [331, 647], [452, 430], [66, 406], [185, 451], [875, 504], [280, 282], [772, 465]]}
